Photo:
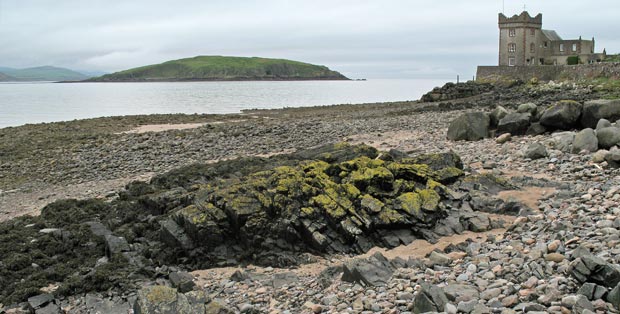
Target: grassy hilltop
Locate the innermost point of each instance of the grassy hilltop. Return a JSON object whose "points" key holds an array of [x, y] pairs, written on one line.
{"points": [[221, 68]]}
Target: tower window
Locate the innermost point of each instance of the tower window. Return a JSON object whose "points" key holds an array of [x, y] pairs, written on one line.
{"points": [[561, 47], [512, 32], [532, 47], [512, 47], [546, 44], [574, 47], [511, 61]]}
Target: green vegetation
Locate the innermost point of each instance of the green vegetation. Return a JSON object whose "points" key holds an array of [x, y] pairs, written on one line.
{"points": [[214, 68], [572, 60], [44, 73], [609, 86], [612, 58]]}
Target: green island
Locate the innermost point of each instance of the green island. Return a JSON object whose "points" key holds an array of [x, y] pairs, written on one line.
{"points": [[222, 68]]}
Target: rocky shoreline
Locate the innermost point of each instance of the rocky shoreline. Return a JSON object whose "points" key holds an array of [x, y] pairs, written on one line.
{"points": [[556, 252]]}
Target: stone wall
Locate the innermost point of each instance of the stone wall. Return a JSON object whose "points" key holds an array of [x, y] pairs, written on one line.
{"points": [[550, 72]]}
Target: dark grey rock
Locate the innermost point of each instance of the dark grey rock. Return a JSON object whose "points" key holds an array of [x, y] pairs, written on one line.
{"points": [[439, 259], [115, 245], [471, 126], [529, 107], [536, 129], [466, 306], [497, 114], [596, 270], [373, 271], [40, 301], [563, 115], [429, 299], [563, 141], [582, 304], [608, 137], [173, 235], [94, 303], [592, 291], [613, 158], [182, 281], [595, 110], [536, 151], [50, 308], [585, 140], [240, 276], [514, 123], [461, 292], [613, 296]]}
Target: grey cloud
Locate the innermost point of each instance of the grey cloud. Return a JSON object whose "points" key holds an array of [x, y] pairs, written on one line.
{"points": [[361, 38]]}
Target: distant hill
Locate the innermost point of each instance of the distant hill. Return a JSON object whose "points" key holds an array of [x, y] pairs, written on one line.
{"points": [[44, 73], [220, 68], [6, 78]]}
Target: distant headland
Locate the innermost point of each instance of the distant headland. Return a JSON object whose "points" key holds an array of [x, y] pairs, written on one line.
{"points": [[223, 68]]}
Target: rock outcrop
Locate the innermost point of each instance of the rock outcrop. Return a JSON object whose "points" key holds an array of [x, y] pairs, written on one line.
{"points": [[469, 127], [267, 211]]}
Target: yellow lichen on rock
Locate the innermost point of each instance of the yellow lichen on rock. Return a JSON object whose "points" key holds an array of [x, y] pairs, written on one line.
{"points": [[410, 202], [161, 294], [430, 199]]}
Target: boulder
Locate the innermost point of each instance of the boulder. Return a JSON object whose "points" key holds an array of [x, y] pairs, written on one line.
{"points": [[167, 300], [536, 151], [441, 259], [514, 123], [608, 137], [536, 129], [461, 292], [592, 291], [429, 299], [497, 114], [563, 115], [603, 123], [613, 296], [527, 108], [115, 245], [599, 156], [613, 158], [585, 140], [41, 302], [373, 271], [471, 126], [595, 110], [562, 141], [595, 270], [173, 235], [182, 281]]}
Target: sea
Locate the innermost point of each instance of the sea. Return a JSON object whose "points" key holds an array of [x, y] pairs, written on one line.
{"points": [[37, 102]]}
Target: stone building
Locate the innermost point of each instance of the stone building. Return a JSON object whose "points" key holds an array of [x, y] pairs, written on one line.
{"points": [[523, 42]]}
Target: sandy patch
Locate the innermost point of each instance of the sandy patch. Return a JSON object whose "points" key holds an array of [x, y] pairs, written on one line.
{"points": [[528, 195], [17, 203]]}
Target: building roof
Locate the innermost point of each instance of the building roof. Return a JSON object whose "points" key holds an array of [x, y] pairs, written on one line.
{"points": [[551, 35]]}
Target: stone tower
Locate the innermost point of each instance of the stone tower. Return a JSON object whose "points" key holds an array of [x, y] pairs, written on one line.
{"points": [[519, 37]]}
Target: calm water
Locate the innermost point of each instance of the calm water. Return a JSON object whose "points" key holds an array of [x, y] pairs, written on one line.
{"points": [[47, 102]]}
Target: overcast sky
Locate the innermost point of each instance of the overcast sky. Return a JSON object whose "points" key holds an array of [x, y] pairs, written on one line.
{"points": [[361, 39]]}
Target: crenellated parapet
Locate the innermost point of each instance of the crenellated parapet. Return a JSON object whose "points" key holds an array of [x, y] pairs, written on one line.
{"points": [[523, 18]]}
